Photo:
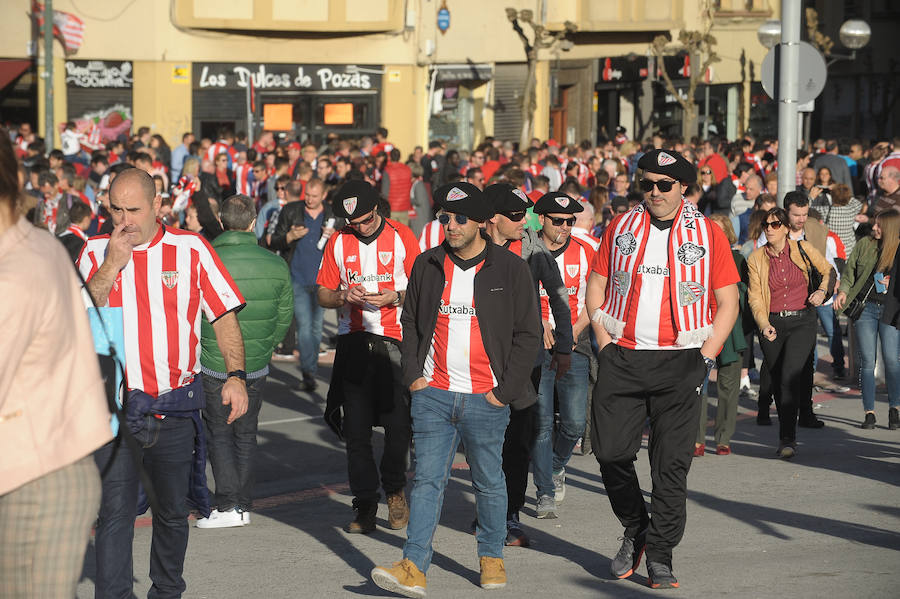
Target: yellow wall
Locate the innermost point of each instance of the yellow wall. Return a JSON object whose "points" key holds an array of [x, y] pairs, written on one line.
{"points": [[403, 98], [161, 102]]}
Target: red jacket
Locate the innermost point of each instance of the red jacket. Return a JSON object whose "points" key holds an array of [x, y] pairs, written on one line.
{"points": [[398, 179]]}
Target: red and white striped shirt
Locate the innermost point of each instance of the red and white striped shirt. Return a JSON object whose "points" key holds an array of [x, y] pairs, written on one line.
{"points": [[382, 264], [161, 292], [76, 231], [432, 236], [648, 319], [457, 360], [574, 263], [220, 147], [242, 178]]}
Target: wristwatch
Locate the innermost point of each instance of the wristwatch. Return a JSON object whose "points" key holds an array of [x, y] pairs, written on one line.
{"points": [[239, 374], [396, 302], [710, 363]]}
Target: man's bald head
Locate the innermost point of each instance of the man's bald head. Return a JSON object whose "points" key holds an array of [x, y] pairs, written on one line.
{"points": [[134, 177]]}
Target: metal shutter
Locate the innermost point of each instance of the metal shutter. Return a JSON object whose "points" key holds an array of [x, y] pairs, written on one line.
{"points": [[220, 106], [509, 82]]}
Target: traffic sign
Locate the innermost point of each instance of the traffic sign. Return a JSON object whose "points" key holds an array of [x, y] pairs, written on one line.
{"points": [[813, 73]]}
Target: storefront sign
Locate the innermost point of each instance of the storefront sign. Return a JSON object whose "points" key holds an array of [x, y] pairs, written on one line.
{"points": [[286, 77], [99, 74], [181, 73]]}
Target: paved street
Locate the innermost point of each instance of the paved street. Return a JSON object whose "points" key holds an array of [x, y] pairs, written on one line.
{"points": [[827, 522]]}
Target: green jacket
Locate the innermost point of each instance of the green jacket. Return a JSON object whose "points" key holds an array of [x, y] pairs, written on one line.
{"points": [[859, 266], [265, 283], [736, 343]]}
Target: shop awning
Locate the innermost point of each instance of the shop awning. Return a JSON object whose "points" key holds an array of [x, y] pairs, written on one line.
{"points": [[10, 69], [464, 72]]}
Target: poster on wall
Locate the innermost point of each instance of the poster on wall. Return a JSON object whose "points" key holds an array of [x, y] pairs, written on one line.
{"points": [[99, 98]]}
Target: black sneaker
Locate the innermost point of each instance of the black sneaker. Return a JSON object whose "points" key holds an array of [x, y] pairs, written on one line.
{"points": [[515, 536], [763, 419], [869, 422], [629, 555], [308, 383], [659, 576], [811, 423], [893, 419], [364, 523]]}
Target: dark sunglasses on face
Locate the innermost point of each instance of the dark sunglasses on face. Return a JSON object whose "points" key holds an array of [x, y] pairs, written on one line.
{"points": [[460, 219], [514, 216], [558, 222], [279, 188], [705, 172], [775, 224], [362, 222], [663, 185]]}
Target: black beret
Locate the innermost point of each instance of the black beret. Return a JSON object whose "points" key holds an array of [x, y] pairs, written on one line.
{"points": [[557, 202], [354, 199], [668, 162], [506, 198], [463, 198]]}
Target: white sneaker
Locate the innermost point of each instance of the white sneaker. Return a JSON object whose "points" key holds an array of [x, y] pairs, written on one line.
{"points": [[559, 486], [227, 519]]}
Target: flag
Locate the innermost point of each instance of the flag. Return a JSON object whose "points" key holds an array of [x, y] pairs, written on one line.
{"points": [[66, 27]]}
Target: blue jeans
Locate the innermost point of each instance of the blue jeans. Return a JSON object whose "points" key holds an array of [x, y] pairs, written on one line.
{"points": [[835, 339], [167, 453], [440, 420], [868, 329], [551, 452], [309, 315], [231, 447]]}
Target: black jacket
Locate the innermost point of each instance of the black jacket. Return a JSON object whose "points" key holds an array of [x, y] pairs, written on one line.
{"points": [[545, 271], [294, 213], [507, 313]]}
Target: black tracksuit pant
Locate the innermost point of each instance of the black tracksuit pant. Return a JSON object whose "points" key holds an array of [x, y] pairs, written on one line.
{"points": [[632, 385]]}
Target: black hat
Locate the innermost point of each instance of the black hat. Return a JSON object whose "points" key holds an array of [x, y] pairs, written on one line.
{"points": [[506, 198], [557, 202], [463, 198], [668, 162], [354, 199]]}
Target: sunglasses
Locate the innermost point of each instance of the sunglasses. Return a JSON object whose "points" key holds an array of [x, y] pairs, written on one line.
{"points": [[775, 224], [663, 185], [558, 222], [705, 172], [360, 223], [460, 219], [514, 216], [280, 188]]}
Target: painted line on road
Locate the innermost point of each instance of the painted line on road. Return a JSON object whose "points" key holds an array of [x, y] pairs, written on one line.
{"points": [[286, 420]]}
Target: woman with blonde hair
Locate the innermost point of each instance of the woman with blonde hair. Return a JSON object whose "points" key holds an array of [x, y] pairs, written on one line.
{"points": [[728, 364], [866, 279]]}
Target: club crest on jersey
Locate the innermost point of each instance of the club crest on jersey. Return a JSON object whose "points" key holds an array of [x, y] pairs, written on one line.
{"points": [[626, 243], [664, 159], [350, 204], [572, 270], [385, 257], [521, 195], [690, 252], [456, 194], [170, 278], [621, 282], [689, 292], [564, 202]]}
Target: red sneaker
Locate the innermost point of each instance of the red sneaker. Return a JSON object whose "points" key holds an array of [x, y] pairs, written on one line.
{"points": [[723, 450], [699, 450]]}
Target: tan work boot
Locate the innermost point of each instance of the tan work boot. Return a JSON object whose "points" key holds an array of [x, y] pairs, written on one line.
{"points": [[493, 573], [364, 523], [398, 510], [403, 578]]}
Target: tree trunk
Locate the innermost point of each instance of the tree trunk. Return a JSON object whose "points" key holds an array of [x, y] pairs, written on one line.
{"points": [[528, 105]]}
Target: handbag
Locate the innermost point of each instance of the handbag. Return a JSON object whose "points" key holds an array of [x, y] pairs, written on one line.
{"points": [[855, 308], [815, 277]]}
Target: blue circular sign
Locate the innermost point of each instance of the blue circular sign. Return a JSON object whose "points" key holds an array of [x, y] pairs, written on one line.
{"points": [[443, 19]]}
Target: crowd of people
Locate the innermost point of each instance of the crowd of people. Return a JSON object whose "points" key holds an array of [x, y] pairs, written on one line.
{"points": [[507, 299]]}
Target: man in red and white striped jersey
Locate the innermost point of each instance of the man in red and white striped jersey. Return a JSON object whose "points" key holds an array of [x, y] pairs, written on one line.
{"points": [[161, 279], [553, 445], [471, 335], [663, 298], [364, 273], [224, 145]]}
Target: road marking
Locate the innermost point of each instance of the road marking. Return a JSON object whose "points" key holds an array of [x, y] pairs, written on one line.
{"points": [[286, 420]]}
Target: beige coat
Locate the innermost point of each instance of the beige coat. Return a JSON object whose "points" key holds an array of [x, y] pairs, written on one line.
{"points": [[759, 297], [52, 403]]}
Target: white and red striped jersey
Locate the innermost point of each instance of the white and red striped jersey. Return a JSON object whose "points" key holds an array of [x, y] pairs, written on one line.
{"points": [[574, 263], [586, 237], [648, 320], [219, 147], [738, 186], [161, 291], [242, 178], [76, 231], [457, 360], [755, 162], [382, 264], [432, 236]]}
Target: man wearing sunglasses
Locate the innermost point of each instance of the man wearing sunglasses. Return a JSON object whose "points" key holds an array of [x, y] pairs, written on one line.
{"points": [[553, 445], [364, 274], [663, 298], [470, 336], [507, 228]]}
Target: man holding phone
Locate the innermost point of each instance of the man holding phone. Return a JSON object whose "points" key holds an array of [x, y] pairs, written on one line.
{"points": [[364, 273]]}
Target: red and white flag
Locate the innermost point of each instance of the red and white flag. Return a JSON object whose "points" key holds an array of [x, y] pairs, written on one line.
{"points": [[66, 27]]}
